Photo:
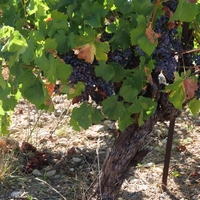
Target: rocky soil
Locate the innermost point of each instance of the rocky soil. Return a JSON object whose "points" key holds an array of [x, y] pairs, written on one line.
{"points": [[69, 162]]}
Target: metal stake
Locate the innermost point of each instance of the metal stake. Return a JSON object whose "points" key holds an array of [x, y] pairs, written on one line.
{"points": [[168, 153]]}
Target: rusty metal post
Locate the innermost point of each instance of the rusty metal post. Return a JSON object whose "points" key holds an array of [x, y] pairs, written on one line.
{"points": [[168, 153]]}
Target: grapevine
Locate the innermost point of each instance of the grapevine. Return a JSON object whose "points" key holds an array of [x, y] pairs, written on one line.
{"points": [[135, 62]]}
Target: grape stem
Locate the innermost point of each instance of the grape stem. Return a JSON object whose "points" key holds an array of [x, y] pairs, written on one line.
{"points": [[191, 51], [154, 12]]}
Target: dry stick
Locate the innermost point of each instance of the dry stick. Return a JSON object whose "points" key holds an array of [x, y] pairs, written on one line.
{"points": [[97, 152], [168, 153], [51, 187]]}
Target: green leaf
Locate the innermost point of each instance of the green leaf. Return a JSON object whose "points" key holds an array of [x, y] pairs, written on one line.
{"points": [[96, 116], [135, 107], [87, 37], [101, 50], [63, 70], [177, 94], [84, 116], [139, 30], [62, 41], [138, 36], [146, 45], [120, 72], [9, 103], [4, 92], [125, 121], [50, 44], [145, 107], [32, 88], [112, 108], [194, 106], [2, 82], [28, 55], [105, 71], [16, 44], [128, 93], [74, 91], [185, 12]]}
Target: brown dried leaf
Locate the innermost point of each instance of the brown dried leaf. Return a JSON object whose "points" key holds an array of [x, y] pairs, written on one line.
{"points": [[149, 77], [152, 35], [181, 148], [86, 52], [27, 147], [192, 1], [50, 88], [167, 11], [71, 150], [190, 87]]}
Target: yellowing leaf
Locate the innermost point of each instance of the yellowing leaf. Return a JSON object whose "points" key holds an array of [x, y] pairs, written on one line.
{"points": [[86, 52], [152, 35], [190, 87]]}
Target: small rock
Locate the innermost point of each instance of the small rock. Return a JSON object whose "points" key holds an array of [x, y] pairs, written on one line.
{"points": [[143, 187], [97, 128], [164, 141], [63, 141], [44, 133], [57, 113], [48, 168], [158, 132], [71, 169], [51, 173], [149, 165], [162, 196], [57, 176], [107, 122], [76, 159], [16, 194], [36, 172], [111, 126]]}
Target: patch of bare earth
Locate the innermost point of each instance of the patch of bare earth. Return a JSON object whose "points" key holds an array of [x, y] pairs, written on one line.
{"points": [[66, 163]]}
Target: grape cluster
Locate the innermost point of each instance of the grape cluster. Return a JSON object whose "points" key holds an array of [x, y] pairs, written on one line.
{"points": [[84, 72], [197, 60], [168, 44], [171, 4], [125, 58]]}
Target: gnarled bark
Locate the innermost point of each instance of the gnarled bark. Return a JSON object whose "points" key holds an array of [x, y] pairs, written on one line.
{"points": [[126, 152]]}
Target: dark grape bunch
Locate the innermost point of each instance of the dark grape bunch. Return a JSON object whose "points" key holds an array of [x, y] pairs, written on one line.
{"points": [[197, 60], [84, 72], [168, 44]]}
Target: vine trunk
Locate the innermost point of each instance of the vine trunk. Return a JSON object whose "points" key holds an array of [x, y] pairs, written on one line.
{"points": [[127, 152]]}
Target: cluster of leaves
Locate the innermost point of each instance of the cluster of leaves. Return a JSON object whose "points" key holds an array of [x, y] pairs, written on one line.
{"points": [[34, 32]]}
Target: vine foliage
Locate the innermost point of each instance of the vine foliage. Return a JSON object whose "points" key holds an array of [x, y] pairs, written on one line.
{"points": [[35, 36]]}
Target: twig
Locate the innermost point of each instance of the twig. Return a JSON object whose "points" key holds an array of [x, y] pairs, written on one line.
{"points": [[92, 184], [97, 152], [51, 187], [141, 177], [191, 51]]}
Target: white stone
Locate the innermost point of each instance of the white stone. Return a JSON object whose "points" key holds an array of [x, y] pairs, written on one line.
{"points": [[71, 169], [106, 122], [76, 159], [63, 141], [16, 194], [97, 128]]}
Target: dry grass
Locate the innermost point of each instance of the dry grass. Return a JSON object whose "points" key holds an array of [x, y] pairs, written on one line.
{"points": [[7, 155]]}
